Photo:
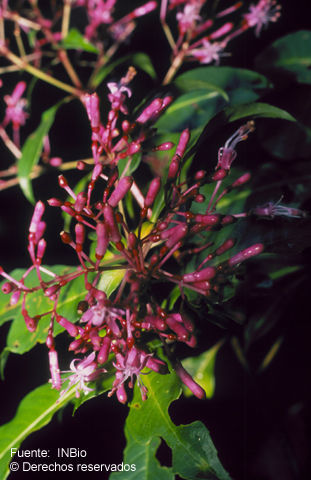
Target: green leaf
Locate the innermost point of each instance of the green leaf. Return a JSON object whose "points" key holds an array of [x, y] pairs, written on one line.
{"points": [[139, 60], [290, 54], [191, 110], [201, 368], [34, 412], [131, 165], [110, 280], [193, 452], [20, 340], [257, 110], [236, 85], [142, 458], [76, 41], [32, 150]]}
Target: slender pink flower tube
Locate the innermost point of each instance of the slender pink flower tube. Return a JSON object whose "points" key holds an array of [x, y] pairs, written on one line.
{"points": [[102, 240], [91, 103], [153, 191], [111, 223], [241, 180], [80, 236], [178, 328], [149, 111], [70, 327], [225, 246], [209, 220], [144, 9], [205, 274], [36, 217], [223, 30], [80, 202], [183, 142], [120, 191], [245, 254], [186, 378], [54, 369], [103, 353], [179, 233], [157, 365]]}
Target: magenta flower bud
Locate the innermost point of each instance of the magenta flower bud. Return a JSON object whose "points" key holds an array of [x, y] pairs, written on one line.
{"points": [[68, 210], [95, 339], [41, 248], [97, 170], [121, 394], [153, 191], [186, 378], [131, 240], [36, 217], [120, 191], [40, 231], [208, 220], [173, 168], [163, 147], [54, 369], [8, 287], [103, 353], [144, 9], [157, 365], [111, 223], [31, 322], [183, 142], [241, 180], [152, 321], [223, 30], [18, 92], [102, 240], [55, 161], [245, 254], [150, 111], [225, 246], [178, 328], [55, 202], [205, 274], [80, 202], [91, 103], [179, 232], [80, 235], [50, 291], [75, 344], [70, 327], [15, 297], [134, 147]]}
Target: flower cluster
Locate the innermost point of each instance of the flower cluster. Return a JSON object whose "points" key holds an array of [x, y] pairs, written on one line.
{"points": [[116, 328], [205, 39]]}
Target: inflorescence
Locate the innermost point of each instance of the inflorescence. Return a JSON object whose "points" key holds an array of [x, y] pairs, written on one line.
{"points": [[112, 331]]}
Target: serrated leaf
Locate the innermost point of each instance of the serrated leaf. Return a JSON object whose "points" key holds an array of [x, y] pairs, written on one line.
{"points": [[76, 41], [257, 110], [143, 462], [191, 110], [193, 452], [236, 85], [34, 412], [201, 368], [31, 151], [290, 54]]}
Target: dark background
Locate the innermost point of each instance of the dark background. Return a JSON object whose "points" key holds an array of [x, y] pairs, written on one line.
{"points": [[260, 424]]}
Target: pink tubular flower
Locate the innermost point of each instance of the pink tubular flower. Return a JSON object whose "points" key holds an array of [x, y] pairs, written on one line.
{"points": [[227, 154], [188, 18], [82, 371], [15, 110], [209, 52], [271, 210], [260, 15]]}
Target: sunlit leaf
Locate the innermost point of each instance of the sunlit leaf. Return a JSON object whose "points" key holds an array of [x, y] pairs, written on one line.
{"points": [[32, 150], [34, 412], [201, 368], [193, 452], [76, 41]]}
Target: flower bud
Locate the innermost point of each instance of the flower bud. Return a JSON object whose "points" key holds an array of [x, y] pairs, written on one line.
{"points": [[153, 191], [245, 254], [120, 191]]}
